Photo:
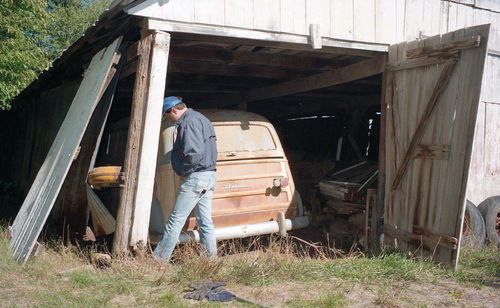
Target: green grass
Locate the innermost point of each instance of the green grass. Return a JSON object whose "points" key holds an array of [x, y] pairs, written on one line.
{"points": [[64, 276], [479, 267], [336, 299]]}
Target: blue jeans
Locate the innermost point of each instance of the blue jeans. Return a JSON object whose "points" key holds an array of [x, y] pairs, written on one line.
{"points": [[195, 192]]}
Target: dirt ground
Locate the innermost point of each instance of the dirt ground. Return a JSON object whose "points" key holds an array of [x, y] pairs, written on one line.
{"points": [[441, 294]]}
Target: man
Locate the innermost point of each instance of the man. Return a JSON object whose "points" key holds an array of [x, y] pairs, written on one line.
{"points": [[194, 155]]}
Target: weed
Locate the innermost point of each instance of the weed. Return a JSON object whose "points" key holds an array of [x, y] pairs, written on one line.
{"points": [[334, 299], [170, 299], [479, 266], [386, 296]]}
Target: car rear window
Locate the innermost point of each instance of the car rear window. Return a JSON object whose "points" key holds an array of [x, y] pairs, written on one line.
{"points": [[243, 138]]}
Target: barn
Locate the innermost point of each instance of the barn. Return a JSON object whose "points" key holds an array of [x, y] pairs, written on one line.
{"points": [[413, 83]]}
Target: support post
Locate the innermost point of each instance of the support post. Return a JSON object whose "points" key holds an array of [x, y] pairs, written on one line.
{"points": [[125, 208], [377, 213], [142, 143], [148, 149]]}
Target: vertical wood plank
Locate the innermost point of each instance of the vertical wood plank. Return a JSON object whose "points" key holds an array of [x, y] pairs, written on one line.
{"points": [[452, 17], [148, 148], [377, 211], [239, 13], [364, 20], [441, 132], [181, 10], [491, 150], [342, 15], [51, 118], [293, 16], [443, 21], [318, 12], [392, 136], [408, 119], [418, 188], [475, 187], [400, 20], [471, 68], [413, 19], [209, 12], [490, 91], [386, 21], [464, 16], [431, 17], [267, 15], [28, 137], [125, 208], [495, 20]]}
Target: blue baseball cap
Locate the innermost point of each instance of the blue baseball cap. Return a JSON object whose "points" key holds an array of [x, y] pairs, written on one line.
{"points": [[170, 102]]}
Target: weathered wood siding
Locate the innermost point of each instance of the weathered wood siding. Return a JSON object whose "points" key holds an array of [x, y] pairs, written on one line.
{"points": [[381, 21], [32, 127]]}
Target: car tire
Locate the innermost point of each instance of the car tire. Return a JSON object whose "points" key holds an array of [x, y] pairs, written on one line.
{"points": [[490, 209], [473, 231]]}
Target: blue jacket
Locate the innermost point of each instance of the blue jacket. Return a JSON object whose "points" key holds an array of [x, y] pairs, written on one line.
{"points": [[194, 149]]}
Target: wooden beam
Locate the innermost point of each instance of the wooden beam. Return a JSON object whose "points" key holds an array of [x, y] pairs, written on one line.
{"points": [[419, 132], [223, 69], [342, 75], [42, 194], [125, 208], [233, 70], [229, 34], [253, 58], [148, 148], [436, 236], [426, 239], [132, 52], [437, 50], [419, 62], [129, 69]]}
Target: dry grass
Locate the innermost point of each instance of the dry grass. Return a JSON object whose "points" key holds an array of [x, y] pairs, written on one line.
{"points": [[267, 270]]}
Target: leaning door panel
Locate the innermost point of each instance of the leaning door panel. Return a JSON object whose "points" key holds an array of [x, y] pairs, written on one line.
{"points": [[432, 92]]}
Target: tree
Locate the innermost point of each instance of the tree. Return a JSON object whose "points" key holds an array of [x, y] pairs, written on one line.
{"points": [[22, 25], [33, 33], [71, 19]]}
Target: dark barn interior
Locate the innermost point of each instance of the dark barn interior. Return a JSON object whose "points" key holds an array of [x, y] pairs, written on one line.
{"points": [[322, 130]]}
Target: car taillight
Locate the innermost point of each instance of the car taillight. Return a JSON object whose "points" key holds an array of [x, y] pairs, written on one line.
{"points": [[280, 182]]}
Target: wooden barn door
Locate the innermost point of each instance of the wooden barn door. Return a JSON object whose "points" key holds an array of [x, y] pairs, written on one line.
{"points": [[432, 89]]}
